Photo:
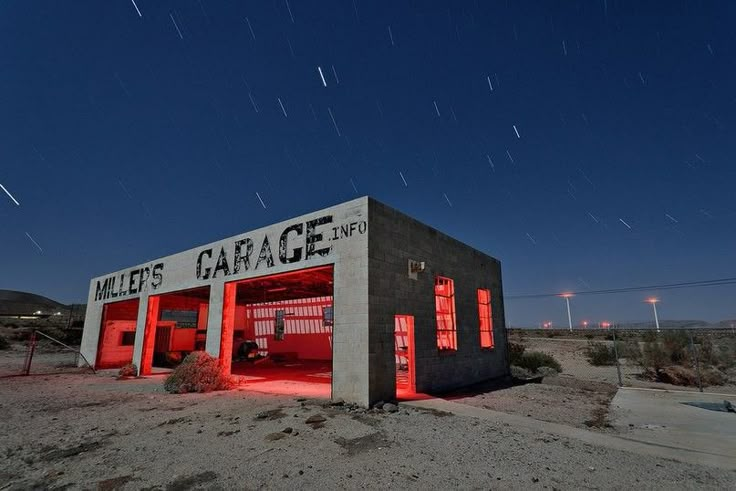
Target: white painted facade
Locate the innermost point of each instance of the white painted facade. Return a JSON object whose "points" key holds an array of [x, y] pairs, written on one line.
{"points": [[342, 241]]}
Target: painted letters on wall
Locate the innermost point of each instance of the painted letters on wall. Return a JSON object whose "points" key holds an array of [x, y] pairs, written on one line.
{"points": [[297, 242], [130, 282]]}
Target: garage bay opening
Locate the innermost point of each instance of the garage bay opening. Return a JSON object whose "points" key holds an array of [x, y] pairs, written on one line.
{"points": [[117, 334], [176, 325], [279, 329]]}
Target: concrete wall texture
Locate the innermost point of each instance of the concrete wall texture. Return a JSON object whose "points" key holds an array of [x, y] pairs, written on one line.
{"points": [[369, 245], [395, 239]]}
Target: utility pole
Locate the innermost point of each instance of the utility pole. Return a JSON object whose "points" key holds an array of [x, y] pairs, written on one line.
{"points": [[567, 296], [654, 301]]}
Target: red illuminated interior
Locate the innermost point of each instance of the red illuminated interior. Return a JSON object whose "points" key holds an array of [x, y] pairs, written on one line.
{"points": [[404, 353], [279, 329], [444, 295], [117, 334], [484, 315], [176, 325]]}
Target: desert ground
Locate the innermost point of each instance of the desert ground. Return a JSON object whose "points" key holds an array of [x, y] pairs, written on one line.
{"points": [[67, 428], [91, 431]]}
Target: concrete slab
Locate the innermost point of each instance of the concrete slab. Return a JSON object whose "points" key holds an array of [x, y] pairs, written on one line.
{"points": [[662, 418], [721, 457]]}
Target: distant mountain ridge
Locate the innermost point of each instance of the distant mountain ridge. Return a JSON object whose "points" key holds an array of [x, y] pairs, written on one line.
{"points": [[663, 323], [22, 303]]}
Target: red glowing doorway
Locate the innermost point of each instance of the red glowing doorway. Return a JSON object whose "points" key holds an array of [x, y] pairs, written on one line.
{"points": [[277, 331], [404, 354]]}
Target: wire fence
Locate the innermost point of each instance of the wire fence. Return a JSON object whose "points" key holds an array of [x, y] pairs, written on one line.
{"points": [[676, 359], [42, 354]]}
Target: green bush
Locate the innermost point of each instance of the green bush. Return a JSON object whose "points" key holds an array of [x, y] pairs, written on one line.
{"points": [[4, 343], [533, 360], [199, 372], [601, 354]]}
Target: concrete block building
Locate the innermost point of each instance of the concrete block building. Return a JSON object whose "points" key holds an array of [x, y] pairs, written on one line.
{"points": [[358, 297]]}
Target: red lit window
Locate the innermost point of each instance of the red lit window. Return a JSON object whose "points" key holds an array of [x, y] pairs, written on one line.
{"points": [[484, 314], [444, 297]]}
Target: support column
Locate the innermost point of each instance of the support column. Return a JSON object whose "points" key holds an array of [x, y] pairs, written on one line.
{"points": [[91, 332], [228, 325], [149, 334], [214, 321], [140, 329]]}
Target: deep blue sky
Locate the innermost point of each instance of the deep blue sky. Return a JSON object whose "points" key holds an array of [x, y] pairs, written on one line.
{"points": [[124, 140]]}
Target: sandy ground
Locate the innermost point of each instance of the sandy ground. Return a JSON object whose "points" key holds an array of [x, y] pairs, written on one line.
{"points": [[84, 431], [565, 400]]}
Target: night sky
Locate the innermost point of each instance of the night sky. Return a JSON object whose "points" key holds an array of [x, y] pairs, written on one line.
{"points": [[587, 145]]}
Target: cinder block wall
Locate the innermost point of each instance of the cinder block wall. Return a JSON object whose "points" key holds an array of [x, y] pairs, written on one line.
{"points": [[394, 239]]}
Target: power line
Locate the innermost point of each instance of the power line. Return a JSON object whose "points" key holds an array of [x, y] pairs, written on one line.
{"points": [[666, 286]]}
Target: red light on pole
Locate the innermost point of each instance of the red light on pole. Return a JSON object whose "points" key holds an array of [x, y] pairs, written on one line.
{"points": [[567, 296], [653, 301]]}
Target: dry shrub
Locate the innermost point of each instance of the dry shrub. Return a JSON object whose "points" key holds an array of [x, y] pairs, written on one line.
{"points": [[199, 372], [4, 343], [534, 360], [684, 376], [128, 370], [600, 354], [516, 350]]}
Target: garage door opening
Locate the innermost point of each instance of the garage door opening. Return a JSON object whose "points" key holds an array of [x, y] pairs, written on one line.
{"points": [[176, 325], [281, 334], [117, 334]]}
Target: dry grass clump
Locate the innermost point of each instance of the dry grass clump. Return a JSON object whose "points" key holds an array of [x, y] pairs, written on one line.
{"points": [[199, 372], [128, 370]]}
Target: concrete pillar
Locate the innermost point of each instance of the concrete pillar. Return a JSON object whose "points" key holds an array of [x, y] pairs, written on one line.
{"points": [[214, 321], [149, 336], [228, 325], [91, 332], [140, 328]]}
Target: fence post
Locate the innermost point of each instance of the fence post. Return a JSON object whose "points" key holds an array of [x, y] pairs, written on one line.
{"points": [[697, 360], [29, 354], [618, 364]]}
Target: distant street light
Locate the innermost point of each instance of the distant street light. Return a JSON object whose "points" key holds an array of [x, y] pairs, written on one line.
{"points": [[585, 324], [654, 301], [567, 296]]}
